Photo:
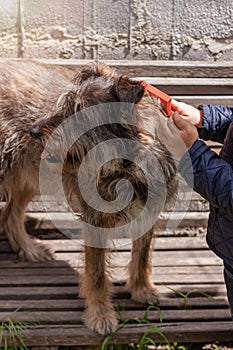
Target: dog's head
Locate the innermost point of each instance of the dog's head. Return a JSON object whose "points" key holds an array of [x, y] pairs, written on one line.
{"points": [[95, 84]]}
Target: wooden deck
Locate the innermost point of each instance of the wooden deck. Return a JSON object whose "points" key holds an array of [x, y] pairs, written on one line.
{"points": [[192, 296]]}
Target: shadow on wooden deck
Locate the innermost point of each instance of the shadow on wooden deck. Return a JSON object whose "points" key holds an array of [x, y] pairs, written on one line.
{"points": [[192, 303]]}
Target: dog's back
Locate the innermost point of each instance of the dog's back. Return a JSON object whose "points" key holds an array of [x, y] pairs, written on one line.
{"points": [[28, 91]]}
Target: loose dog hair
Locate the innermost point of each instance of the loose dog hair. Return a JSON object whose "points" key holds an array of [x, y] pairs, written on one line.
{"points": [[40, 99]]}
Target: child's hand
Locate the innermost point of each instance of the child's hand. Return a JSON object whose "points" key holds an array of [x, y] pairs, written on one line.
{"points": [[178, 135], [190, 113]]}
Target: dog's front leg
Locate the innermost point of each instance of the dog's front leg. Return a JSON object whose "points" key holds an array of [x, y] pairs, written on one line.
{"points": [[139, 283], [95, 288]]}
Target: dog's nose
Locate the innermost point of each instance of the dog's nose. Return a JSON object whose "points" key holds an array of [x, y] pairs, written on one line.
{"points": [[35, 132]]}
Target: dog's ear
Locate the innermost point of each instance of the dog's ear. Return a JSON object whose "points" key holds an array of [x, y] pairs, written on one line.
{"points": [[93, 70], [128, 90]]}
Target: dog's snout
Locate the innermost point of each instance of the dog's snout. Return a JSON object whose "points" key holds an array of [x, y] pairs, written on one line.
{"points": [[35, 132]]}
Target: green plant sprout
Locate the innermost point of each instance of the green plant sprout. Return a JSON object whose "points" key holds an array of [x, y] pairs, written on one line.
{"points": [[14, 329], [186, 296], [145, 340]]}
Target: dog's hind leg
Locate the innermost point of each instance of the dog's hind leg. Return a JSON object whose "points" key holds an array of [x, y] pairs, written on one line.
{"points": [[95, 288], [12, 221], [139, 283]]}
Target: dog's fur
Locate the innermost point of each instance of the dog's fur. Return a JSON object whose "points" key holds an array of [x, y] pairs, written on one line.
{"points": [[28, 95]]}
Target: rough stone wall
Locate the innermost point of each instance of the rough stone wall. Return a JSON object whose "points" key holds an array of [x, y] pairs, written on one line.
{"points": [[117, 29]]}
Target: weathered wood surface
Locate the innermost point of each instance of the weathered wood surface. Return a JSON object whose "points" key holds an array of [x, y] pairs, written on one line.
{"points": [[191, 86], [45, 295], [79, 335], [176, 77], [177, 69], [70, 222]]}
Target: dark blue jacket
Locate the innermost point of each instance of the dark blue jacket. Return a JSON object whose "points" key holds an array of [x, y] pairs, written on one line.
{"points": [[212, 176]]}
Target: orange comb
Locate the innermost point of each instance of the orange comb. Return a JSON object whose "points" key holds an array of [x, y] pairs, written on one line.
{"points": [[165, 99]]}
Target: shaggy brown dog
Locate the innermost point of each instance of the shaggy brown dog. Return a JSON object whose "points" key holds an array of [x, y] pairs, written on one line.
{"points": [[28, 95]]}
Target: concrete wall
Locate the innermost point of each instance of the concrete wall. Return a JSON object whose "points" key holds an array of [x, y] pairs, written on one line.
{"points": [[117, 29]]}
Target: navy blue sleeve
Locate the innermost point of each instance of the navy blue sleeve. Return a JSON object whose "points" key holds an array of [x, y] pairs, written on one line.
{"points": [[209, 175], [216, 120]]}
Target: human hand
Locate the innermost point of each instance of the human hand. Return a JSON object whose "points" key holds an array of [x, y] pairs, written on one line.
{"points": [[188, 112], [178, 135]]}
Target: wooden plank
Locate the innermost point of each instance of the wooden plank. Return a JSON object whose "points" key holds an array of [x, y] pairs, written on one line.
{"points": [[61, 292], [63, 220], [195, 289], [41, 207], [72, 335], [26, 293], [76, 317], [34, 271], [48, 206], [53, 206], [66, 221], [77, 304], [201, 258], [177, 316], [195, 82], [119, 271], [68, 280], [57, 280], [196, 100], [49, 198], [160, 68], [196, 258], [161, 243], [183, 219], [192, 86], [171, 303], [22, 264], [153, 68], [174, 278], [160, 258]]}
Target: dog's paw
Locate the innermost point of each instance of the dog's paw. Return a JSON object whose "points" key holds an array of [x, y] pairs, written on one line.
{"points": [[35, 251], [101, 322], [145, 295]]}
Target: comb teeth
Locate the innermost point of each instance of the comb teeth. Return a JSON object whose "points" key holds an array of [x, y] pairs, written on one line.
{"points": [[165, 99]]}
